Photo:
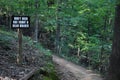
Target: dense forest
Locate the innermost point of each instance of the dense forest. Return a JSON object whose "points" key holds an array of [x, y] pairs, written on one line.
{"points": [[80, 31]]}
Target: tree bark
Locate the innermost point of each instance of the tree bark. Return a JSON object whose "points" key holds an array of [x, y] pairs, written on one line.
{"points": [[58, 26], [103, 40], [78, 52], [36, 28], [36, 21], [114, 67]]}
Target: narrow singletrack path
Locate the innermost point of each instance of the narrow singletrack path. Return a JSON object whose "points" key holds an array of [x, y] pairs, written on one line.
{"points": [[69, 71]]}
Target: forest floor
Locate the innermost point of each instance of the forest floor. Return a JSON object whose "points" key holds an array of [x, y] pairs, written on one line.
{"points": [[10, 70], [69, 71], [33, 58]]}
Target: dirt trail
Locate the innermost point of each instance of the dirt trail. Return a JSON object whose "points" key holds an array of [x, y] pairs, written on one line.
{"points": [[70, 71]]}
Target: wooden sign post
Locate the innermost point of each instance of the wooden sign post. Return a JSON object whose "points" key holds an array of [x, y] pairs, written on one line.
{"points": [[19, 55], [20, 22]]}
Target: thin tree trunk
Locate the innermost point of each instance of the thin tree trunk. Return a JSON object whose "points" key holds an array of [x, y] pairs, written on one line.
{"points": [[103, 40], [36, 29], [58, 27], [78, 52], [88, 53], [36, 21], [10, 21]]}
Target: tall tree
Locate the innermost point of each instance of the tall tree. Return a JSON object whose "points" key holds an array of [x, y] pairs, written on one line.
{"points": [[114, 68], [58, 19], [36, 21]]}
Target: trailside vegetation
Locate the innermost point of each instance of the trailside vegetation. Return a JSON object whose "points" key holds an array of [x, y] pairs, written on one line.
{"points": [[78, 30]]}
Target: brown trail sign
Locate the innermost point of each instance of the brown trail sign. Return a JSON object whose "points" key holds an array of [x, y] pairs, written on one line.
{"points": [[20, 22]]}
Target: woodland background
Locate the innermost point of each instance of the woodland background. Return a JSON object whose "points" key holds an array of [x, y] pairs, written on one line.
{"points": [[78, 30]]}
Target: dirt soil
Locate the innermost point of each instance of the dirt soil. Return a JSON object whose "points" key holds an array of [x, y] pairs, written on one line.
{"points": [[9, 69], [69, 71]]}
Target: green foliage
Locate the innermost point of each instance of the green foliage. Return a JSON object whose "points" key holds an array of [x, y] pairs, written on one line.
{"points": [[84, 24], [87, 25], [5, 38], [50, 69]]}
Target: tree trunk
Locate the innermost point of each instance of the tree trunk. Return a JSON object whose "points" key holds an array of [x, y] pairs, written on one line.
{"points": [[88, 53], [10, 22], [36, 29], [36, 21], [78, 52], [103, 40], [114, 67], [58, 26]]}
